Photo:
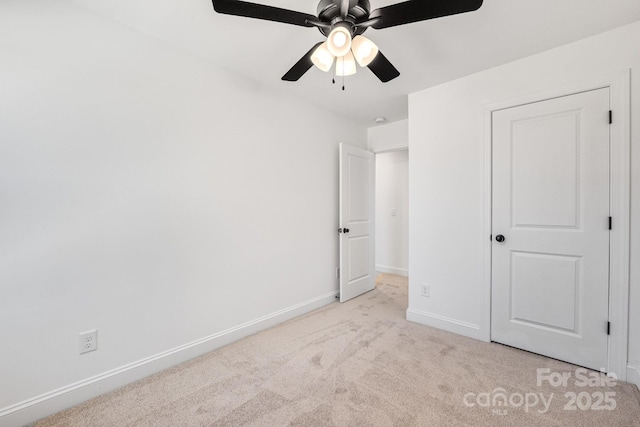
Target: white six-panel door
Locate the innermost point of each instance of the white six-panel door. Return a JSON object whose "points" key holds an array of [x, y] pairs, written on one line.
{"points": [[357, 203], [550, 273]]}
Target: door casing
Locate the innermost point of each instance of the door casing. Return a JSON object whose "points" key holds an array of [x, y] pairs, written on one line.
{"points": [[620, 196]]}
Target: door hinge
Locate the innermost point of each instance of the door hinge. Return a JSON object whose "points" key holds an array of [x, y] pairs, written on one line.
{"points": [[608, 328], [610, 223], [490, 237], [610, 116]]}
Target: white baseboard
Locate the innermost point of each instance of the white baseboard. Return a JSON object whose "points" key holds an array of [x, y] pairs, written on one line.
{"points": [[633, 374], [392, 270], [445, 323], [54, 401]]}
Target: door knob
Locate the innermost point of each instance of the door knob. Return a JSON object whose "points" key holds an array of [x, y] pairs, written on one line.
{"points": [[499, 238], [346, 230], [343, 230]]}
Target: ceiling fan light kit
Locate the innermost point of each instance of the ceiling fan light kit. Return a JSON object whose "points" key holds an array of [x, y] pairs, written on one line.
{"points": [[343, 22], [322, 58], [364, 50], [339, 40], [346, 65]]}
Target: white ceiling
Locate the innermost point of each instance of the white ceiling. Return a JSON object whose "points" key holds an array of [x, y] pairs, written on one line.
{"points": [[426, 53]]}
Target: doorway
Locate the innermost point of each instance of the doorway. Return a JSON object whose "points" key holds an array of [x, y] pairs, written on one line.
{"points": [[372, 183], [392, 212]]}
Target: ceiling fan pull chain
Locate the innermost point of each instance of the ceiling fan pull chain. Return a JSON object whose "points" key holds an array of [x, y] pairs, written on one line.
{"points": [[343, 82]]}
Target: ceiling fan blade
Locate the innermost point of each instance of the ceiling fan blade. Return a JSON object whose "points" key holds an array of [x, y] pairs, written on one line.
{"points": [[261, 11], [420, 10], [301, 67], [383, 69]]}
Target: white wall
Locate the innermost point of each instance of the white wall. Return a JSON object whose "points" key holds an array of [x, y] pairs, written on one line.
{"points": [[392, 229], [447, 137], [389, 136], [166, 202]]}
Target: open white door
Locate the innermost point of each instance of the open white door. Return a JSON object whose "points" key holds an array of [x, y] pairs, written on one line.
{"points": [[357, 204]]}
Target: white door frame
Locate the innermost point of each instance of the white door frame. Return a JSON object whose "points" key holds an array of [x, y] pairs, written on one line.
{"points": [[618, 83]]}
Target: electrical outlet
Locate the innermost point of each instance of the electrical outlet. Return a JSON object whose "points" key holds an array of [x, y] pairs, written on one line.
{"points": [[425, 290], [88, 341], [393, 212]]}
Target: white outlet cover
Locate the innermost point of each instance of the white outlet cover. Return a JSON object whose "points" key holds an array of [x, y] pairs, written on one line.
{"points": [[88, 341], [425, 290]]}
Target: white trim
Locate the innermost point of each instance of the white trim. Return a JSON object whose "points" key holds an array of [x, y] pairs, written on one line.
{"points": [[485, 322], [445, 323], [54, 401], [620, 211], [618, 83], [585, 85], [392, 270], [633, 375], [389, 148]]}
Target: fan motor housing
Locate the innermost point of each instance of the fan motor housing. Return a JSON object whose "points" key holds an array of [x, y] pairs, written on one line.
{"points": [[329, 11]]}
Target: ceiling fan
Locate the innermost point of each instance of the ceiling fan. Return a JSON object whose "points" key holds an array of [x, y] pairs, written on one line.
{"points": [[343, 22]]}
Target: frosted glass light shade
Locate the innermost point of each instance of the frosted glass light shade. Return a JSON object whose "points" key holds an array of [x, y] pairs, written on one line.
{"points": [[322, 58], [339, 41], [346, 65], [364, 50]]}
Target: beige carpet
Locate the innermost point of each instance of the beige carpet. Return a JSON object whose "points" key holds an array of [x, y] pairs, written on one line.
{"points": [[360, 364]]}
